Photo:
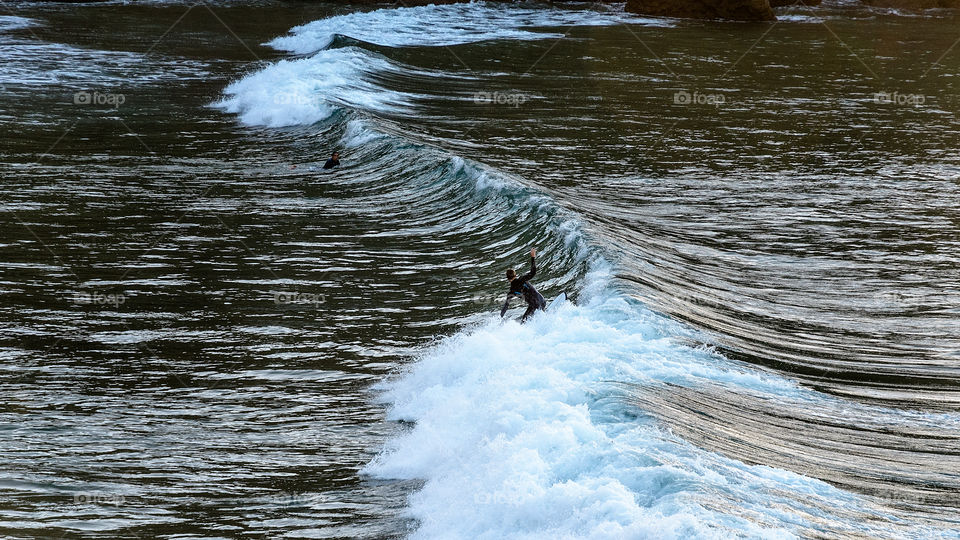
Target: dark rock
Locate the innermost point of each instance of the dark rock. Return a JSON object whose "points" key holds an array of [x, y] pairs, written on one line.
{"points": [[913, 4], [739, 10], [783, 3]]}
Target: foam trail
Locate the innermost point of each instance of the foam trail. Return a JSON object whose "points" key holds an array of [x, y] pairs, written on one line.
{"points": [[450, 24], [521, 433]]}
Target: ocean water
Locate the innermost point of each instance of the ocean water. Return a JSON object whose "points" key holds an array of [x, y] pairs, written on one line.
{"points": [[206, 335]]}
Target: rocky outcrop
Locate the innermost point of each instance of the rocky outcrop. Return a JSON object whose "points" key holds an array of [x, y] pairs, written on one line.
{"points": [[784, 3], [757, 10], [739, 10], [913, 4]]}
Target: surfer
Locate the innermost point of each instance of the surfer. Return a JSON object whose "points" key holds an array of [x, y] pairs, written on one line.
{"points": [[334, 161], [520, 286]]}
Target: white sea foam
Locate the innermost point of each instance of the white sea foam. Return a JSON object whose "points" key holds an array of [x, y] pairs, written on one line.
{"points": [[12, 22], [520, 433], [63, 64], [451, 24], [800, 18], [519, 430], [28, 61], [308, 90]]}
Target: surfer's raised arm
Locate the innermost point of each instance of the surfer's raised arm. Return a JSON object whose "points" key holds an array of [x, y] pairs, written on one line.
{"points": [[533, 267]]}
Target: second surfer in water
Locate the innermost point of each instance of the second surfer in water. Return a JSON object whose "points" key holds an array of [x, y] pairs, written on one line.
{"points": [[521, 286], [334, 161]]}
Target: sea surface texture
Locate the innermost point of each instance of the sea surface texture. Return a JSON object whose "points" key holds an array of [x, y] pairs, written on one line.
{"points": [[204, 334]]}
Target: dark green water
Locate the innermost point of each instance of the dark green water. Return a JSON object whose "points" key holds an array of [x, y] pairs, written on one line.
{"points": [[192, 314]]}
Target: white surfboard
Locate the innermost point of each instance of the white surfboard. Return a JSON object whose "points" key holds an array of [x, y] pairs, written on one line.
{"points": [[558, 301]]}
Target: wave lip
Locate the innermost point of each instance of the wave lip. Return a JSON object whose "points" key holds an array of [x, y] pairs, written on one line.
{"points": [[309, 90], [449, 24]]}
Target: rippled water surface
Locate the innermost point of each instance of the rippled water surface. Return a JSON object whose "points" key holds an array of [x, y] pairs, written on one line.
{"points": [[204, 334]]}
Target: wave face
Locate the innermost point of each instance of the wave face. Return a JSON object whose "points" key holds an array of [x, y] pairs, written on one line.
{"points": [[602, 419]]}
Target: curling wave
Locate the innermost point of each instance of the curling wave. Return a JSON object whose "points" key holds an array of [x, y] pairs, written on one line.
{"points": [[553, 428]]}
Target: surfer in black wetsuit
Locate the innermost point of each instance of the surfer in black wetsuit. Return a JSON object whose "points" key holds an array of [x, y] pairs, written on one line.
{"points": [[334, 161], [520, 286]]}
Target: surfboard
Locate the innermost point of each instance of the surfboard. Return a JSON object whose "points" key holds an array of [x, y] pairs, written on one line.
{"points": [[558, 301]]}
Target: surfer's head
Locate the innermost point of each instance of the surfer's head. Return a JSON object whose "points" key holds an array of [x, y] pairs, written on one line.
{"points": [[511, 275], [336, 155]]}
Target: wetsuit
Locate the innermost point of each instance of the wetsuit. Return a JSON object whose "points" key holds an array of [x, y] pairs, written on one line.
{"points": [[331, 163], [520, 287]]}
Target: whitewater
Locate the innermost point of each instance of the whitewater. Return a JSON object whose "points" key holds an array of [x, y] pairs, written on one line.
{"points": [[536, 430]]}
